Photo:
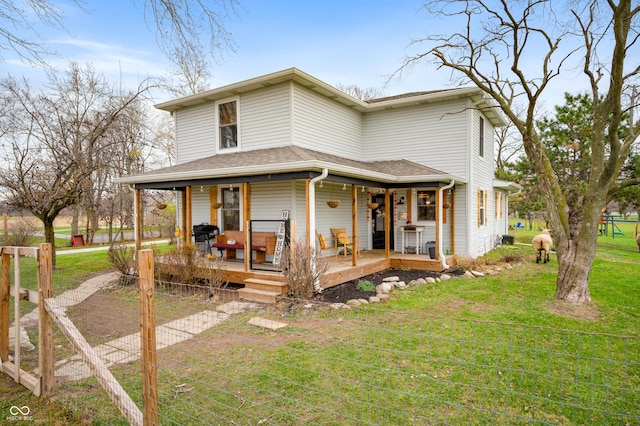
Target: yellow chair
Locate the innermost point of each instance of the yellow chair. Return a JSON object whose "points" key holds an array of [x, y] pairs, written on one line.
{"points": [[343, 240]]}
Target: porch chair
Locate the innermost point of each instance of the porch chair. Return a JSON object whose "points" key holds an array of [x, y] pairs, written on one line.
{"points": [[343, 240]]}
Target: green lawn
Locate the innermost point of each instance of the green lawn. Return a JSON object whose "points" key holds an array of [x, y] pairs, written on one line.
{"points": [[491, 350]]}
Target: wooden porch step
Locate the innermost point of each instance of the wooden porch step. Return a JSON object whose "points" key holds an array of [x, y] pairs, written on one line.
{"points": [[266, 285], [261, 296]]}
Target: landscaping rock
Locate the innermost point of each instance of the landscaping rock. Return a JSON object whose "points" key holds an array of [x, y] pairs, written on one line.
{"points": [[363, 301], [384, 288], [353, 302], [394, 278], [414, 282], [383, 297], [374, 299], [477, 273], [401, 285], [468, 274], [445, 277], [430, 280]]}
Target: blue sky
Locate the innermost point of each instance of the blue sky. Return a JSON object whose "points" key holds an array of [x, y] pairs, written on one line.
{"points": [[340, 42]]}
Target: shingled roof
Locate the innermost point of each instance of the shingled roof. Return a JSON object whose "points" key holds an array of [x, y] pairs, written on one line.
{"points": [[287, 159]]}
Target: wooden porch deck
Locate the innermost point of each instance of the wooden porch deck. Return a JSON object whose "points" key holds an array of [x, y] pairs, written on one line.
{"points": [[266, 286]]}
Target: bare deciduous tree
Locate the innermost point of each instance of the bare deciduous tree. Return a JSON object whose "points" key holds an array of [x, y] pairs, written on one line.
{"points": [[178, 23], [514, 50], [57, 144], [362, 93]]}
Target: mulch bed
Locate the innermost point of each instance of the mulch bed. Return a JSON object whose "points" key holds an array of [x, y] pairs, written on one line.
{"points": [[349, 290]]}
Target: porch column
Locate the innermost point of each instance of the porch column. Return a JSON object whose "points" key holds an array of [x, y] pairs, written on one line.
{"points": [[187, 212], [137, 218], [439, 214], [354, 225], [246, 203], [213, 198], [183, 221], [387, 223]]}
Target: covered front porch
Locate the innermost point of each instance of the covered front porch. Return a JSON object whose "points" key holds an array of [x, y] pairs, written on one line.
{"points": [[269, 286]]}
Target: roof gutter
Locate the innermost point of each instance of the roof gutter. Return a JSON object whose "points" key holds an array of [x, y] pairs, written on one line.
{"points": [[286, 167], [312, 219], [443, 259]]}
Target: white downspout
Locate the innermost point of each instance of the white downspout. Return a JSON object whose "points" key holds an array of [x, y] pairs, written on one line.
{"points": [[312, 217], [443, 259]]}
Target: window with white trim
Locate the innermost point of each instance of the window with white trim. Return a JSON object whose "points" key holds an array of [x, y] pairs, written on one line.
{"points": [[482, 207], [228, 125]]}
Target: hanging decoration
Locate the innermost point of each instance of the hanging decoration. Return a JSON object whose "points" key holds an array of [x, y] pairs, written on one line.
{"points": [[333, 203]]}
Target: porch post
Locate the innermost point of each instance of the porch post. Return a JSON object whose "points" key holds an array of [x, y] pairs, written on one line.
{"points": [[183, 234], [213, 198], [246, 202], [189, 219], [439, 214], [354, 225], [387, 223]]}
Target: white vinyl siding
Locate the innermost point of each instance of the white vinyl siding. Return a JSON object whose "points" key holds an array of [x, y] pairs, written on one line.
{"points": [[484, 236], [326, 126], [200, 205], [195, 132], [434, 135], [269, 199], [340, 217], [265, 118]]}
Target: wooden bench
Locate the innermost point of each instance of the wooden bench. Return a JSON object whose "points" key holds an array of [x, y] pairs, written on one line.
{"points": [[262, 243]]}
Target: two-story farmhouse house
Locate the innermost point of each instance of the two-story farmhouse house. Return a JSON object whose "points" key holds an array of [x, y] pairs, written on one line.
{"points": [[414, 173]]}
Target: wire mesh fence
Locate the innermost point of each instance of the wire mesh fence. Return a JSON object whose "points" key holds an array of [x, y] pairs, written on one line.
{"points": [[224, 361]]}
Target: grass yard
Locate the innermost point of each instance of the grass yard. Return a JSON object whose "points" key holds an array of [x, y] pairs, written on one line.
{"points": [[491, 350]]}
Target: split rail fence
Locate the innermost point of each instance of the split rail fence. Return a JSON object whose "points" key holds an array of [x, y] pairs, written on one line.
{"points": [[169, 353]]}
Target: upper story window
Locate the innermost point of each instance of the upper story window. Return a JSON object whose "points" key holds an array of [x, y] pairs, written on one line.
{"points": [[228, 125], [481, 137], [426, 205]]}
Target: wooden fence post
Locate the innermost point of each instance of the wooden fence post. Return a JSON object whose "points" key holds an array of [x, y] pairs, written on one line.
{"points": [[45, 322], [4, 307], [148, 338]]}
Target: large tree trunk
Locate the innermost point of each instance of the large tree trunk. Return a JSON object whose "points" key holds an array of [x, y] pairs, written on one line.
{"points": [[574, 265], [576, 240], [49, 235], [75, 218]]}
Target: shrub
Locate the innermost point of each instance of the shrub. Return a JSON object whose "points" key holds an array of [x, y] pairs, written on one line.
{"points": [[299, 274], [122, 257], [179, 264], [365, 285], [214, 269], [21, 234]]}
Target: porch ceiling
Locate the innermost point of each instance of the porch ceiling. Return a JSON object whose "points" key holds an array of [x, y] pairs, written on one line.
{"points": [[289, 163]]}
